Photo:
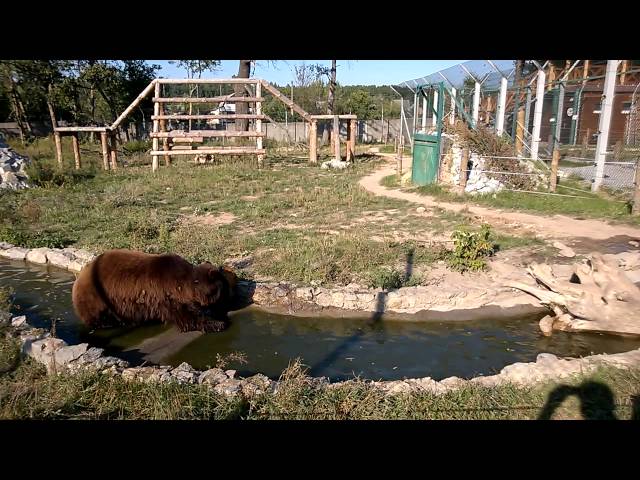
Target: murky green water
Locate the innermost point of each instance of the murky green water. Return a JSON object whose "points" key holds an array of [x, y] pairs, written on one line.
{"points": [[337, 348]]}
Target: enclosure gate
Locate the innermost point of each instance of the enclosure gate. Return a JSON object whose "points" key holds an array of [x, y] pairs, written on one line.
{"points": [[426, 149]]}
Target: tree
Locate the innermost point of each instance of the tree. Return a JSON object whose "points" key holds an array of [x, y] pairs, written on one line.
{"points": [[244, 71], [193, 68]]}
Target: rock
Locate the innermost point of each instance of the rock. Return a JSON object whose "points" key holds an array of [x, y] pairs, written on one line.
{"points": [[84, 255], [5, 245], [90, 356], [5, 318], [421, 209], [43, 351], [228, 387], [18, 322], [212, 376], [634, 243], [546, 325], [230, 373], [67, 354], [15, 253], [185, 373], [256, 385], [76, 265], [564, 250], [59, 259], [546, 358], [37, 255], [110, 363]]}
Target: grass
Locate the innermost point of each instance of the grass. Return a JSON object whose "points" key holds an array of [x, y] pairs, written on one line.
{"points": [[26, 392], [606, 205], [298, 222]]}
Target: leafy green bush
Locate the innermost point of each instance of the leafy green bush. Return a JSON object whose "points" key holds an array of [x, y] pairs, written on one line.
{"points": [[136, 146], [46, 175], [471, 250], [27, 239]]}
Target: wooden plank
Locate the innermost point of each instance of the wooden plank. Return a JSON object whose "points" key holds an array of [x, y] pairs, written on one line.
{"points": [[134, 104], [207, 80], [336, 139], [464, 164], [80, 129], [231, 116], [188, 140], [553, 179], [221, 151], [353, 127], [330, 117], [276, 93], [205, 133], [259, 131], [76, 150], [224, 98], [635, 209]]}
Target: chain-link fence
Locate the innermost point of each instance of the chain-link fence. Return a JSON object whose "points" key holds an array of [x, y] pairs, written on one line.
{"points": [[541, 106]]}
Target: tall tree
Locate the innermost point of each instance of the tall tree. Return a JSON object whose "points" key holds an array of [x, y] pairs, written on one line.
{"points": [[244, 71]]}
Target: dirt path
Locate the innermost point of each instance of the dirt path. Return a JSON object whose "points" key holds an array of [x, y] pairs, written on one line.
{"points": [[590, 234]]}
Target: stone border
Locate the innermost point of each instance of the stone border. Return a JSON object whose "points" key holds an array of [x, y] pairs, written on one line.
{"points": [[407, 303], [58, 357]]}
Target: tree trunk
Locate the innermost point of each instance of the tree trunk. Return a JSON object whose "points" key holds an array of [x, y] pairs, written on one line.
{"points": [[244, 70], [330, 101], [52, 113], [18, 107], [597, 297]]}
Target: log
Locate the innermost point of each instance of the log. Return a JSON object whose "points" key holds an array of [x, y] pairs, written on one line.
{"points": [[276, 93], [331, 117], [80, 129], [221, 151], [353, 133], [224, 98], [605, 300], [134, 104], [207, 80], [313, 142], [258, 133], [105, 150], [205, 133], [114, 151], [231, 116], [58, 141], [76, 150], [156, 125]]}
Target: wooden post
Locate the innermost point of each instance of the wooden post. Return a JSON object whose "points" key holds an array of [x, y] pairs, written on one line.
{"points": [[555, 160], [519, 132], [105, 150], [156, 112], [313, 142], [114, 151], [636, 196], [353, 128], [623, 72], [585, 143], [165, 141], [76, 150], [336, 135], [348, 142], [58, 140], [399, 153], [464, 164], [259, 125]]}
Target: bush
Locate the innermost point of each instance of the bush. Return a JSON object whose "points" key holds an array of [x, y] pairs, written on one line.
{"points": [[28, 239], [471, 250], [385, 278], [136, 146], [46, 175]]}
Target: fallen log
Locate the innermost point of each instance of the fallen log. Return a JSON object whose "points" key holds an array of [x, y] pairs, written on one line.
{"points": [[598, 297]]}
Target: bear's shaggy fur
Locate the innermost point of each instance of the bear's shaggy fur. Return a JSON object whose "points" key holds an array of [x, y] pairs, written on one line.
{"points": [[129, 288]]}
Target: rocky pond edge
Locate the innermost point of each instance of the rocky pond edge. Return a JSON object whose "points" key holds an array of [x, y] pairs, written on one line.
{"points": [[59, 357]]}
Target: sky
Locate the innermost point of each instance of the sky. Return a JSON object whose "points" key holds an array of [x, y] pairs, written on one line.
{"points": [[349, 72]]}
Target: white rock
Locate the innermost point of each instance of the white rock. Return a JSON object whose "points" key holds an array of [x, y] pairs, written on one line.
{"points": [[421, 209], [59, 259], [15, 253], [37, 255], [19, 321]]}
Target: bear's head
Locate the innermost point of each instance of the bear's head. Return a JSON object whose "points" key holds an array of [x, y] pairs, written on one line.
{"points": [[214, 285]]}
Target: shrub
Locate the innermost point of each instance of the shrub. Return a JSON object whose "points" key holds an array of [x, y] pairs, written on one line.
{"points": [[471, 249]]}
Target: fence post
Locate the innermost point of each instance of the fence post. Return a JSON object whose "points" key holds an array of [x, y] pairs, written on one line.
{"points": [[76, 150], [555, 160], [635, 210], [399, 153], [58, 140]]}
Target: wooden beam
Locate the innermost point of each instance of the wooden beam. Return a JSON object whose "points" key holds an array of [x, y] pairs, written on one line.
{"points": [[231, 116], [76, 150], [207, 80], [134, 104], [353, 133], [284, 99], [58, 141], [336, 139], [553, 179], [80, 129], [105, 150], [187, 140], [221, 151], [623, 72], [224, 98], [205, 133], [330, 117]]}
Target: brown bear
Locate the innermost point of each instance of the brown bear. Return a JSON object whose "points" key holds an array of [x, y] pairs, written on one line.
{"points": [[129, 288]]}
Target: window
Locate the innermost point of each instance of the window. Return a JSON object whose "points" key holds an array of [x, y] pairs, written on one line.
{"points": [[597, 108], [626, 108]]}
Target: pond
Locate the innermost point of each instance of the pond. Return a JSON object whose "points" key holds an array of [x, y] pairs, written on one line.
{"points": [[335, 348]]}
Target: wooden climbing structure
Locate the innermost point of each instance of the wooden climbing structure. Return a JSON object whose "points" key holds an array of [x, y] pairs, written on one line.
{"points": [[161, 132]]}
